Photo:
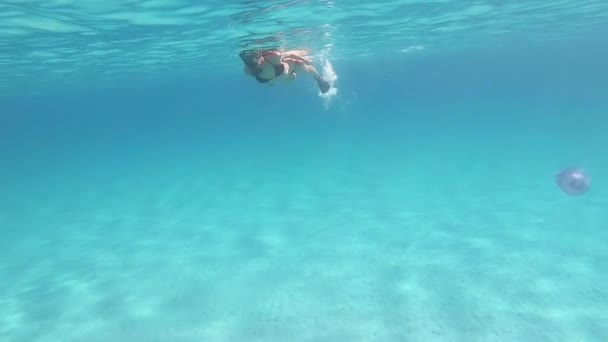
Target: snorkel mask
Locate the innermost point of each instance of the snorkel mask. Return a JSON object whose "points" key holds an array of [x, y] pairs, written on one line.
{"points": [[251, 58]]}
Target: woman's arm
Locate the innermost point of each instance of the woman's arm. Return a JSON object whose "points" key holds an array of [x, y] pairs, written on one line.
{"points": [[299, 55], [276, 57], [272, 57]]}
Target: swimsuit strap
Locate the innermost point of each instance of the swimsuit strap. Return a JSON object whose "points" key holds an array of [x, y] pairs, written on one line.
{"points": [[278, 71]]}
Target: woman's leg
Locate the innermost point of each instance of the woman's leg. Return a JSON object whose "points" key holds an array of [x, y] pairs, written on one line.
{"points": [[323, 84]]}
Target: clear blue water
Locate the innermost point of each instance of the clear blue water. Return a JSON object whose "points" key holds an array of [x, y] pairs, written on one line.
{"points": [[153, 192]]}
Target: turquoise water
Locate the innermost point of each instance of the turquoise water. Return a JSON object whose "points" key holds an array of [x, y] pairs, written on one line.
{"points": [[152, 192]]}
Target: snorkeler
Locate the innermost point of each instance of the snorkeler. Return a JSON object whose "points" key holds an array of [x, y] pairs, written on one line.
{"points": [[273, 66]]}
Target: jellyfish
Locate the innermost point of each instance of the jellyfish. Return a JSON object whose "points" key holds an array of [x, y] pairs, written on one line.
{"points": [[573, 181]]}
